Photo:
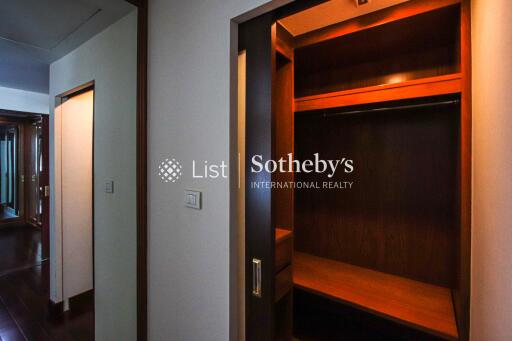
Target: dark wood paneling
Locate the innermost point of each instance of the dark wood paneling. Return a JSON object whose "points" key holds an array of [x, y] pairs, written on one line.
{"points": [[399, 217], [283, 283], [44, 180], [283, 198], [284, 318], [255, 38], [142, 168], [283, 116], [408, 49], [284, 248], [26, 133]]}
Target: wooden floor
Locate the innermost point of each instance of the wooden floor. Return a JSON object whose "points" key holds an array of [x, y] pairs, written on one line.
{"points": [[24, 295], [20, 246]]}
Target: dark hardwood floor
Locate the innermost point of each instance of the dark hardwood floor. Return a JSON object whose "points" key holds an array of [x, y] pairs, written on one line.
{"points": [[25, 293], [4, 214], [20, 247]]}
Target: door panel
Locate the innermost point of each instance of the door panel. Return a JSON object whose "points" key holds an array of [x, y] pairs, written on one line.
{"points": [[264, 210], [44, 183], [77, 229], [255, 38]]}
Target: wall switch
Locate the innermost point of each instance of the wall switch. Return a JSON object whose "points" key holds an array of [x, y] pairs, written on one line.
{"points": [[193, 199], [109, 186]]}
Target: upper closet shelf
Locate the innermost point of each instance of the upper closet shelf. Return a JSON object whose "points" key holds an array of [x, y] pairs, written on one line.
{"points": [[425, 87]]}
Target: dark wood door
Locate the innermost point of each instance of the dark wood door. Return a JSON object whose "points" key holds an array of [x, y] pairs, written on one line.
{"points": [[268, 104], [255, 39], [44, 185]]}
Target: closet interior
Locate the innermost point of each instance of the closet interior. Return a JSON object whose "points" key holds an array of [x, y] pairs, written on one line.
{"points": [[389, 255]]}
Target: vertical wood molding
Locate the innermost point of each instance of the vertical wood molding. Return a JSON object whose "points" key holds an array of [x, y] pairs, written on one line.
{"points": [[142, 47], [141, 167]]}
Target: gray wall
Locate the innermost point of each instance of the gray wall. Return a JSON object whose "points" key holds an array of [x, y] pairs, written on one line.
{"points": [[491, 284], [20, 69], [21, 100], [189, 73], [110, 60]]}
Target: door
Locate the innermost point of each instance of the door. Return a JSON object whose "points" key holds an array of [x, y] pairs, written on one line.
{"points": [[44, 185], [77, 194], [33, 153], [268, 118], [255, 39]]}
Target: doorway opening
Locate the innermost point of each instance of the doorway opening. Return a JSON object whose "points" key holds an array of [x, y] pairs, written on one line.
{"points": [[74, 195], [24, 201], [377, 248]]}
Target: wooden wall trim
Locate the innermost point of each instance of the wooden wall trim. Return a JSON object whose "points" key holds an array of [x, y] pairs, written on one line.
{"points": [[142, 239], [141, 167], [462, 295]]}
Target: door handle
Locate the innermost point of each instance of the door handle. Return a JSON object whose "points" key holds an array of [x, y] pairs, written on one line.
{"points": [[256, 277]]}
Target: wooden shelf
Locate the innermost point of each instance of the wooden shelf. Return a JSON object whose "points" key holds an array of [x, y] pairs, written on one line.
{"points": [[418, 305], [374, 19], [282, 235], [424, 87]]}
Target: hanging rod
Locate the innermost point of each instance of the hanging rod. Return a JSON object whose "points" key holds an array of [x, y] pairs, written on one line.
{"points": [[399, 107]]}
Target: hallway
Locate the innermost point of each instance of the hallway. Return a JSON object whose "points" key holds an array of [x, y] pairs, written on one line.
{"points": [[24, 294]]}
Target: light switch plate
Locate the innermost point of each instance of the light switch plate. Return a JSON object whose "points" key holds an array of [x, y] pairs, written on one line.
{"points": [[109, 186], [193, 199]]}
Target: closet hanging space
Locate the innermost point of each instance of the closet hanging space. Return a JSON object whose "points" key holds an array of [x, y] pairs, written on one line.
{"points": [[388, 90]]}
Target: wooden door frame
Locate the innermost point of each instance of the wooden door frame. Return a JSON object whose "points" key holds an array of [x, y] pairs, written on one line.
{"points": [[141, 168], [22, 118]]}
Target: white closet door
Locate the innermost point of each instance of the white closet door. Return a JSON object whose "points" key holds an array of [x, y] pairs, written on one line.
{"points": [[77, 200]]}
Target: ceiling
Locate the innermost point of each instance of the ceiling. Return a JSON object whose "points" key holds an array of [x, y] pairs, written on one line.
{"points": [[331, 12], [35, 33]]}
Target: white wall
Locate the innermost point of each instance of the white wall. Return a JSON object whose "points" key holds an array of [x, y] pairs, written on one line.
{"points": [[189, 110], [491, 294], [21, 100], [110, 60]]}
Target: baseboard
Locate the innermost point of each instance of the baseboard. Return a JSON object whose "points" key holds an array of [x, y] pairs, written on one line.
{"points": [[55, 310]]}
